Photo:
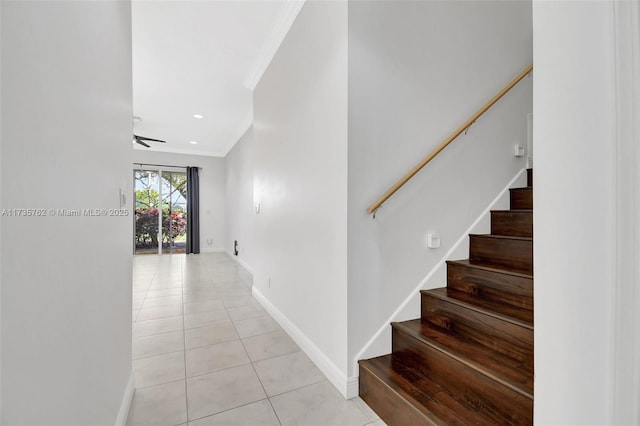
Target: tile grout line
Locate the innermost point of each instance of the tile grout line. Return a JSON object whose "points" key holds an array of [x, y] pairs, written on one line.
{"points": [[302, 387], [184, 329], [184, 347], [155, 272], [253, 367], [135, 321], [234, 408], [219, 369], [241, 284]]}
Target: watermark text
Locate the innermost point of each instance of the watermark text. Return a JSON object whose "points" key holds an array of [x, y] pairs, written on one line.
{"points": [[64, 212]]}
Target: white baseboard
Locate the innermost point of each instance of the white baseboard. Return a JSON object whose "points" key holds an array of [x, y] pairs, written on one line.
{"points": [[241, 262], [344, 384], [375, 345], [127, 399], [353, 388]]}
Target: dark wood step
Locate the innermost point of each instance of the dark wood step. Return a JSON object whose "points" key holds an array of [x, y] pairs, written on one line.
{"points": [[491, 282], [402, 396], [521, 198], [497, 386], [517, 223], [512, 252], [499, 327], [529, 177]]}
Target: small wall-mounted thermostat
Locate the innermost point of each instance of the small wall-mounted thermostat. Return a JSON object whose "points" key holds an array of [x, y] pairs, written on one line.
{"points": [[433, 240], [518, 151], [123, 199]]}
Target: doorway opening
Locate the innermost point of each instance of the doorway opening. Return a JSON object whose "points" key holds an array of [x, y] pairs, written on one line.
{"points": [[161, 211]]}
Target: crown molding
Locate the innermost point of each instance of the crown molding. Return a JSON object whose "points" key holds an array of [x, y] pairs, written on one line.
{"points": [[202, 153], [288, 14], [240, 132]]}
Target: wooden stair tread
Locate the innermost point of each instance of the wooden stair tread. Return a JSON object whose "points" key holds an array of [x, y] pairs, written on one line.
{"points": [[503, 311], [504, 370], [516, 211], [425, 396], [492, 267], [502, 237]]}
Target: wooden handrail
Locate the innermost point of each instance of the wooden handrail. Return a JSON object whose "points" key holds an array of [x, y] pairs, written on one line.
{"points": [[375, 206]]}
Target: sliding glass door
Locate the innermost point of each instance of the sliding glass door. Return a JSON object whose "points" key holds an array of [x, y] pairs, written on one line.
{"points": [[161, 211], [174, 212], [147, 229]]}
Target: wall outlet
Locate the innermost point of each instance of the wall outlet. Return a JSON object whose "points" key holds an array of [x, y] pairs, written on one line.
{"points": [[268, 282], [209, 241]]}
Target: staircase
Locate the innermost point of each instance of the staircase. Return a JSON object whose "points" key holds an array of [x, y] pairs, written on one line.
{"points": [[469, 358]]}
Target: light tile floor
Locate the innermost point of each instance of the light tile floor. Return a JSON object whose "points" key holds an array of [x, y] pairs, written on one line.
{"points": [[206, 353]]}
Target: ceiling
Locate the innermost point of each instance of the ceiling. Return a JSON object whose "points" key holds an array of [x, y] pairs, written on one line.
{"points": [[201, 57]]}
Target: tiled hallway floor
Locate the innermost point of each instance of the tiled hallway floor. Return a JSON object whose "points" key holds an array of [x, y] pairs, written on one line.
{"points": [[206, 353]]}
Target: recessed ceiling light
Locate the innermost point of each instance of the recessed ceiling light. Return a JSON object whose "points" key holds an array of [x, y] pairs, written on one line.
{"points": [[193, 142], [198, 116]]}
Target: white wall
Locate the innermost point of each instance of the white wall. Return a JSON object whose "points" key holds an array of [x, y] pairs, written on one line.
{"points": [[626, 377], [66, 143], [300, 162], [574, 193], [0, 215], [418, 70], [239, 211], [212, 191]]}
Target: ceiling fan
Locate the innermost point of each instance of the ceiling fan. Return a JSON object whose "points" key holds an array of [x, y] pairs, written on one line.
{"points": [[141, 140]]}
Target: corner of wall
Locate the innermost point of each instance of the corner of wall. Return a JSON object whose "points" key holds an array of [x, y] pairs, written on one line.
{"points": [[288, 14], [213, 250], [1, 204], [347, 386], [626, 336], [239, 261], [127, 399]]}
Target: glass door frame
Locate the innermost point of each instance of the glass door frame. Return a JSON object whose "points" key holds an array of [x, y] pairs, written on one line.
{"points": [[173, 221], [159, 172]]}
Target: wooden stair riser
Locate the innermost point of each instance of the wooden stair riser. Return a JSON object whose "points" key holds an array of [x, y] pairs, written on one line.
{"points": [[401, 396], [517, 223], [392, 407], [515, 290], [505, 337], [473, 389], [521, 198], [529, 177], [516, 253]]}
